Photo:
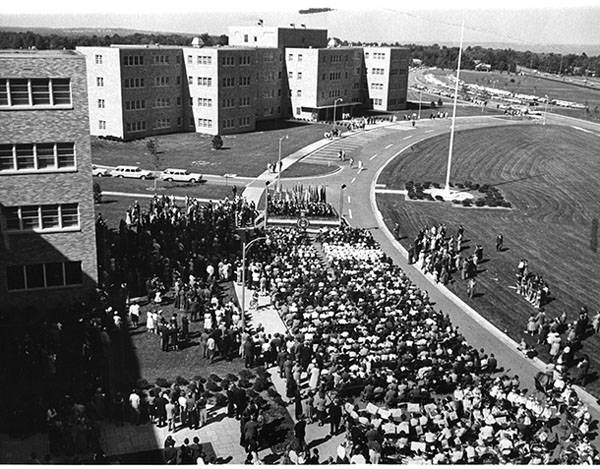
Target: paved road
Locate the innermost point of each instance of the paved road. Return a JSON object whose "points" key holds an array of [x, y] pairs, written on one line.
{"points": [[360, 210]]}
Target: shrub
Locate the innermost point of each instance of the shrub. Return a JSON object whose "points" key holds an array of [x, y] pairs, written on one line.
{"points": [[420, 195], [492, 203], [409, 185], [479, 203], [199, 379], [439, 197], [215, 378], [466, 202], [181, 381], [426, 184], [506, 204], [460, 186], [162, 383], [225, 384], [428, 197], [231, 377], [475, 187], [260, 385], [217, 142], [436, 185]]}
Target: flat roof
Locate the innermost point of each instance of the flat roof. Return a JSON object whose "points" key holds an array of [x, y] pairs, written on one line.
{"points": [[28, 53], [146, 46]]}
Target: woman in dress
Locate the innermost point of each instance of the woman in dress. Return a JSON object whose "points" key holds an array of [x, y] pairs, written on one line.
{"points": [[150, 321]]}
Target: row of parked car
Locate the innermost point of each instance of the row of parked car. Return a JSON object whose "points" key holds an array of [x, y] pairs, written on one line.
{"points": [[135, 172]]}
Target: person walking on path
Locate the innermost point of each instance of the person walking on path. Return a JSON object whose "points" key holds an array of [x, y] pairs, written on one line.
{"points": [[471, 287], [499, 242]]}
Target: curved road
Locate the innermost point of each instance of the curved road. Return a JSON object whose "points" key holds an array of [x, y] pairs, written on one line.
{"points": [[380, 146]]}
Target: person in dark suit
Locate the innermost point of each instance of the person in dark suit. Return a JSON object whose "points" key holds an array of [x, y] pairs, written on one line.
{"points": [[164, 337], [161, 413], [170, 452], [195, 449], [335, 416]]}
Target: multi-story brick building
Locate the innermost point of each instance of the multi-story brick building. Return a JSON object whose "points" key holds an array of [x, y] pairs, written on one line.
{"points": [[265, 73], [47, 244]]}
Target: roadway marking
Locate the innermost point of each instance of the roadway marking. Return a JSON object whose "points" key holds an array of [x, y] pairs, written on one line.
{"points": [[349, 200], [406, 138], [373, 156], [582, 129], [429, 131], [353, 179], [391, 144], [350, 212]]}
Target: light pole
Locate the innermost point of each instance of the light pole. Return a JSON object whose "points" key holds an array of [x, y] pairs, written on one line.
{"points": [[334, 105], [545, 109], [420, 93], [266, 204], [245, 247], [341, 203], [285, 137]]}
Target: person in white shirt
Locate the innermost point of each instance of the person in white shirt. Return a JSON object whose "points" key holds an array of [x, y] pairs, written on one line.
{"points": [[134, 403]]}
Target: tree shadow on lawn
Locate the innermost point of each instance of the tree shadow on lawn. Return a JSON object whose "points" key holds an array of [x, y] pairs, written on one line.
{"points": [[278, 125]]}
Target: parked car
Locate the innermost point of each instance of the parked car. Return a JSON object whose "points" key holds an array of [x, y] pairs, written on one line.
{"points": [[181, 175], [131, 172], [100, 172]]}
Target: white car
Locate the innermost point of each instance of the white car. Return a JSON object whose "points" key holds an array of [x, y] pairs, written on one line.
{"points": [[100, 172], [131, 172], [180, 175]]}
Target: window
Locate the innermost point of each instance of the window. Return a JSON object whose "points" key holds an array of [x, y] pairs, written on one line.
{"points": [[135, 104], [299, 57], [298, 111], [228, 103], [163, 102], [45, 155], [244, 81], [204, 59], [190, 80], [133, 60], [178, 80], [244, 60], [228, 123], [98, 59], [51, 217], [245, 38], [51, 274], [35, 92], [245, 101], [228, 82], [65, 155], [366, 55], [190, 59], [25, 156], [244, 121], [134, 83], [19, 92], [205, 123], [228, 61], [161, 81], [102, 125], [291, 57], [137, 126], [204, 81], [163, 123], [161, 59], [205, 102], [101, 103], [40, 91], [299, 93], [299, 75], [290, 75], [99, 81]]}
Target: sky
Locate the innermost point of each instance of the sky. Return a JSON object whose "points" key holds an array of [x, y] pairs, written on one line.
{"points": [[517, 21]]}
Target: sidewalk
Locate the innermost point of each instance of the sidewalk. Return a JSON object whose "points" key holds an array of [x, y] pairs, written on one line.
{"points": [[254, 190]]}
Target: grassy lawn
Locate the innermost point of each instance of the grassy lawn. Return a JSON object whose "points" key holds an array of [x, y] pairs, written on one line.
{"points": [[308, 169], [242, 154], [537, 86], [550, 175], [202, 190]]}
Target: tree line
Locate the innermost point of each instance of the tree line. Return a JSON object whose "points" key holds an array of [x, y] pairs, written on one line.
{"points": [[29, 39], [431, 55]]}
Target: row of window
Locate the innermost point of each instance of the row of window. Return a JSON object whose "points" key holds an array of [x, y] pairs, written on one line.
{"points": [[205, 123], [42, 217], [132, 60], [376, 55], [160, 59], [200, 59], [36, 156], [163, 102], [161, 81], [376, 86], [228, 61], [204, 102], [291, 57], [229, 82], [133, 83], [135, 104], [48, 275], [137, 126], [377, 71], [377, 101], [163, 123], [35, 92], [271, 93], [202, 81]]}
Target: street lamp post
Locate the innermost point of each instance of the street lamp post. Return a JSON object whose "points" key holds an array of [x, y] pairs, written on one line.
{"points": [[279, 163], [245, 247], [341, 203], [266, 204], [545, 109], [420, 93], [334, 105]]}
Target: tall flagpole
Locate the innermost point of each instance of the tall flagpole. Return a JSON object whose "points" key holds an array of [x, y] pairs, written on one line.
{"points": [[462, 30]]}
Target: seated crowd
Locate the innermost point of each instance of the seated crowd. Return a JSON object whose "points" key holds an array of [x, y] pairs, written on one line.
{"points": [[411, 388], [300, 201]]}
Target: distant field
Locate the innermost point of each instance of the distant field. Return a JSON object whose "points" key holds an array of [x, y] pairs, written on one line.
{"points": [[535, 86], [551, 175], [242, 154]]}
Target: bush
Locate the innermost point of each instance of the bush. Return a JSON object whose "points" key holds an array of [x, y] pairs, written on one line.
{"points": [[492, 203], [181, 381], [479, 203], [426, 184], [439, 197], [217, 142], [460, 186], [506, 204], [455, 201], [260, 385], [231, 377], [199, 379], [437, 185], [225, 384], [215, 378], [162, 383], [466, 202], [409, 185]]}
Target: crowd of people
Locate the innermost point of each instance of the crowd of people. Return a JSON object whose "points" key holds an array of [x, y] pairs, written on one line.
{"points": [[437, 253], [309, 201], [531, 286], [361, 333]]}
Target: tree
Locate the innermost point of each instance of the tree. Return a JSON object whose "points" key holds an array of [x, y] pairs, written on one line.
{"points": [[217, 142], [152, 147]]}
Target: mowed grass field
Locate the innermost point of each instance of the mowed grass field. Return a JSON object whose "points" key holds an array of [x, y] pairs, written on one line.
{"points": [[551, 175], [537, 86], [242, 154]]}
